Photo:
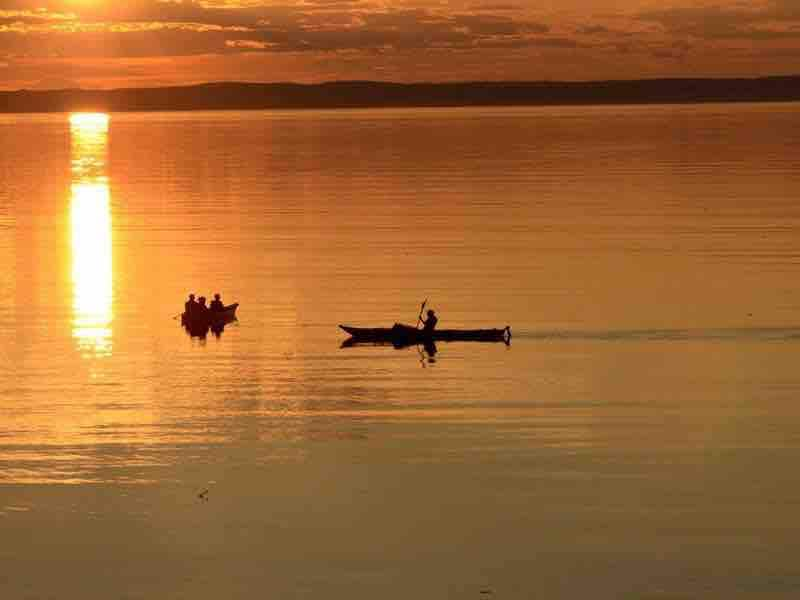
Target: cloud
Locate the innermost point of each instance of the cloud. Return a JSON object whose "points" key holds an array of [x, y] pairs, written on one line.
{"points": [[119, 29], [55, 83], [247, 44], [493, 25], [495, 7], [677, 50], [774, 20], [38, 17], [593, 30], [406, 39]]}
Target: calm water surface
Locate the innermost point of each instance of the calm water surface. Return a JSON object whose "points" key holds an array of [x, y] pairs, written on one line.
{"points": [[638, 439]]}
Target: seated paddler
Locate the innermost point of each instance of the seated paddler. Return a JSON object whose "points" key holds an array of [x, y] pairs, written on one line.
{"points": [[216, 304], [429, 324]]}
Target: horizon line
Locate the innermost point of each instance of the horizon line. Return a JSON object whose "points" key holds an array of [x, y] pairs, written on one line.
{"points": [[406, 83]]}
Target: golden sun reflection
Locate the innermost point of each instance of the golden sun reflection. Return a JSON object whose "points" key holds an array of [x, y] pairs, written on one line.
{"points": [[86, 121], [90, 217]]}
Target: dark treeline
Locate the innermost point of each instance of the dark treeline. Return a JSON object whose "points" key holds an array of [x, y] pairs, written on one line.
{"points": [[354, 94]]}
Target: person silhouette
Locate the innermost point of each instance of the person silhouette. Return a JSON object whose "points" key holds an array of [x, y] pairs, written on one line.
{"points": [[201, 310], [429, 324], [189, 307], [216, 304]]}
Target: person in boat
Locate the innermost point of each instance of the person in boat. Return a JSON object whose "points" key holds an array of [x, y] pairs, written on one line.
{"points": [[216, 304], [190, 307], [429, 324], [197, 324], [201, 311]]}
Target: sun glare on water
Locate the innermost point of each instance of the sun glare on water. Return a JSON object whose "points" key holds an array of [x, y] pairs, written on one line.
{"points": [[89, 121], [90, 218]]}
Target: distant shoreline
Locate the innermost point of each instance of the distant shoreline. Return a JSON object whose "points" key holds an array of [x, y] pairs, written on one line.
{"points": [[373, 94]]}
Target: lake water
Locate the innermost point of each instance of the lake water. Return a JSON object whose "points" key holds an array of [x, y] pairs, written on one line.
{"points": [[639, 438]]}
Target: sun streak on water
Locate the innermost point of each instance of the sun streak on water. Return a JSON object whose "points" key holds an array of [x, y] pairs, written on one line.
{"points": [[90, 217]]}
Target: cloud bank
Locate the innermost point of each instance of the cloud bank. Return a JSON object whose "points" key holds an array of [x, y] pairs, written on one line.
{"points": [[155, 42]]}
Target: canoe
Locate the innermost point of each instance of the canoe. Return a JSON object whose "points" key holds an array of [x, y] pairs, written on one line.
{"points": [[402, 335], [220, 317]]}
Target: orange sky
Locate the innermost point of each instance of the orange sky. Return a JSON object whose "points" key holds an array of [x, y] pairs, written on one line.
{"points": [[104, 44]]}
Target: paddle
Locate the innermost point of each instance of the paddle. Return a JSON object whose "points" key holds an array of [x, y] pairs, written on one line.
{"points": [[421, 308]]}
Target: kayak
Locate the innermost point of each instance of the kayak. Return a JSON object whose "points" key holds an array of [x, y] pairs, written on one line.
{"points": [[406, 334], [219, 317]]}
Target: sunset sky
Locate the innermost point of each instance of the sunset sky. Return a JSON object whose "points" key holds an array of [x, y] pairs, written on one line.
{"points": [[105, 44]]}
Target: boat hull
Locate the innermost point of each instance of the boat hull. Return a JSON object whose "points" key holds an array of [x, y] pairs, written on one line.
{"points": [[402, 335], [221, 317]]}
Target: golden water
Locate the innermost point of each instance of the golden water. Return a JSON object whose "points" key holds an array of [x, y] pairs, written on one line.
{"points": [[638, 439]]}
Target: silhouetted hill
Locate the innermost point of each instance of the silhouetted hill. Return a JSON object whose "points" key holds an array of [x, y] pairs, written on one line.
{"points": [[353, 94]]}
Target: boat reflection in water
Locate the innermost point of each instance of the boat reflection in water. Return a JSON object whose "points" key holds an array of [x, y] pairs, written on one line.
{"points": [[201, 330], [426, 348], [90, 218]]}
